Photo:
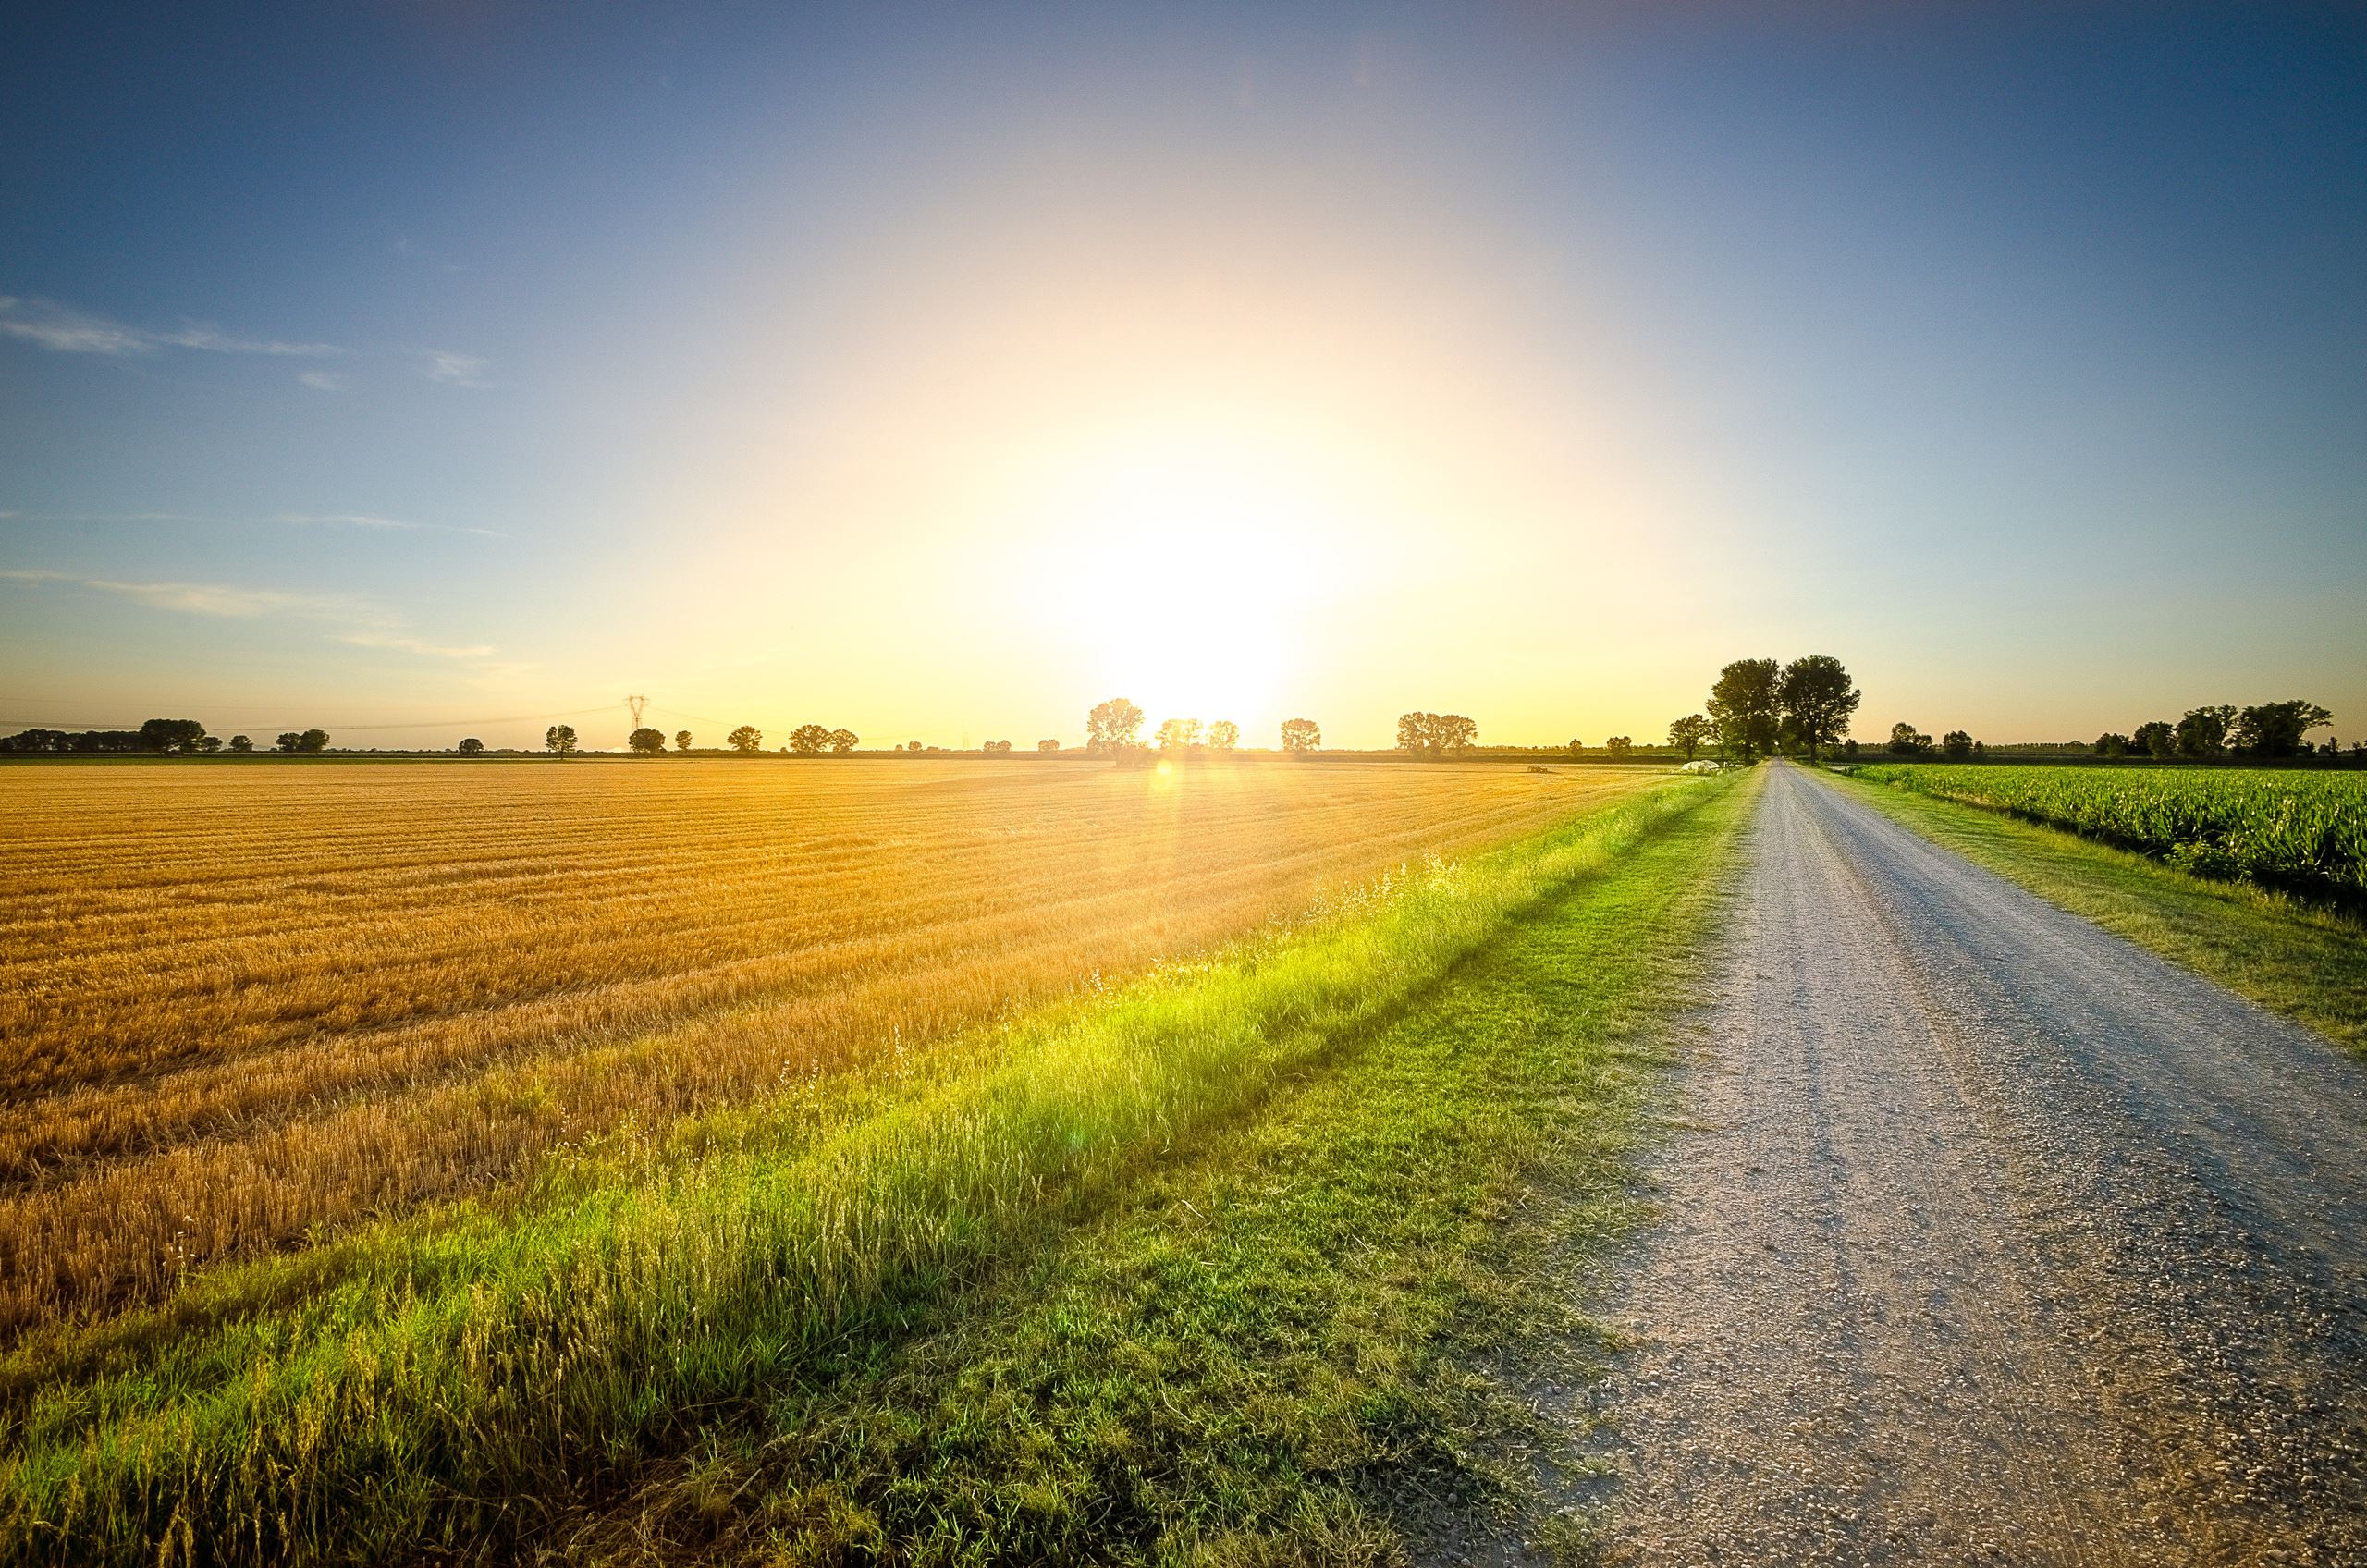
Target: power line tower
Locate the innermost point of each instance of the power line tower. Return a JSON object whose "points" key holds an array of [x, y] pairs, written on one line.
{"points": [[635, 705]]}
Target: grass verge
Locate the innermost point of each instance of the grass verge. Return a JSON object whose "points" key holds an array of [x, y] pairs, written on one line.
{"points": [[2306, 963], [433, 1403], [1277, 1350]]}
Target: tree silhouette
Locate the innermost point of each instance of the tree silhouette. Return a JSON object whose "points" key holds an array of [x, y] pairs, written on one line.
{"points": [[1745, 708], [1223, 735], [1906, 741], [1048, 746], [1817, 699], [647, 741], [559, 738], [844, 740], [997, 748], [2203, 732], [1301, 736], [241, 743], [1435, 735], [1689, 733], [2274, 730], [809, 739], [288, 740], [312, 740], [170, 735], [1111, 727], [472, 747], [682, 739], [1619, 746], [1957, 746], [746, 740], [1178, 735]]}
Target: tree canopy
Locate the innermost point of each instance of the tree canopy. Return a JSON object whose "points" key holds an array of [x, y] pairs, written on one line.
{"points": [[1435, 735], [647, 741], [1301, 736], [1113, 725], [1818, 699], [559, 738], [746, 740], [1745, 707]]}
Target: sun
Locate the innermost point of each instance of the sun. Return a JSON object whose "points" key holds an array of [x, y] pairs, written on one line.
{"points": [[1191, 583]]}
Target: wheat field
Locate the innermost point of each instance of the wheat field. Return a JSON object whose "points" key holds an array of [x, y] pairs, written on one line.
{"points": [[243, 1006]]}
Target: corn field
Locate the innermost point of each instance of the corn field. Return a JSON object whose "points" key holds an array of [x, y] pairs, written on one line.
{"points": [[2302, 832]]}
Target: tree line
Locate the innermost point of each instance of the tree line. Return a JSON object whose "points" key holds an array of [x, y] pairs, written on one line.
{"points": [[166, 737], [2264, 730]]}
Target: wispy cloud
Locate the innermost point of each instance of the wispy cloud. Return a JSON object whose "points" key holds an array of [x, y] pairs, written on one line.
{"points": [[362, 519], [209, 598], [63, 330], [461, 370], [297, 520], [417, 645], [325, 380], [364, 623]]}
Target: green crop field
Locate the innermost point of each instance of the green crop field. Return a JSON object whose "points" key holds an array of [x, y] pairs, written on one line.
{"points": [[2302, 832]]}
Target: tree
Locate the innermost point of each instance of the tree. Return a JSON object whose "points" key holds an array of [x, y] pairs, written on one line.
{"points": [[2274, 730], [1223, 735], [2203, 732], [170, 735], [1744, 706], [997, 748], [1689, 734], [1111, 727], [1906, 741], [1048, 747], [1301, 736], [1435, 735], [288, 740], [809, 739], [913, 746], [2157, 738], [844, 740], [206, 745], [312, 740], [1619, 746], [1957, 746], [682, 739], [1815, 693], [1179, 734], [747, 739], [559, 738], [647, 741], [2112, 744], [472, 747], [1576, 748], [242, 744]]}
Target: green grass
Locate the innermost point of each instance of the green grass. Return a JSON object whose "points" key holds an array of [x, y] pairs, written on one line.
{"points": [[2287, 954], [480, 1383]]}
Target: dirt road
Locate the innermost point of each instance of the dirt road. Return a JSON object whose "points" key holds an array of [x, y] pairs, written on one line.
{"points": [[1989, 1237]]}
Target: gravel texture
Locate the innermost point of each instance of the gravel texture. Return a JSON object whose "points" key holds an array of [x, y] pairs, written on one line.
{"points": [[1988, 1238]]}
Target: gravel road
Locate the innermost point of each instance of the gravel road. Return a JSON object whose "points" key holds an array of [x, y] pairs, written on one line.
{"points": [[1989, 1237]]}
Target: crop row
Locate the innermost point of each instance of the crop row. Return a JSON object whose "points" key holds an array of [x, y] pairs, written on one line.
{"points": [[2302, 832], [239, 1009]]}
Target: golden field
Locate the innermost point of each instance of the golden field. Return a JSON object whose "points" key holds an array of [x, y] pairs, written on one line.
{"points": [[244, 1004]]}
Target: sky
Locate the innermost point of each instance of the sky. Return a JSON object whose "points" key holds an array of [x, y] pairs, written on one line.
{"points": [[426, 370]]}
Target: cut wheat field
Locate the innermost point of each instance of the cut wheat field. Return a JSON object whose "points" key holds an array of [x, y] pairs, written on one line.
{"points": [[246, 1006]]}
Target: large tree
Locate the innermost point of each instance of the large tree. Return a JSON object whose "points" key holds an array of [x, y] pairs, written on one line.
{"points": [[1301, 736], [843, 741], [746, 740], [1179, 734], [1816, 697], [1223, 735], [809, 739], [1745, 706], [1111, 727], [2274, 730], [1690, 733], [2157, 738], [647, 741], [2203, 732], [1906, 741], [314, 740], [171, 735], [682, 739], [559, 738]]}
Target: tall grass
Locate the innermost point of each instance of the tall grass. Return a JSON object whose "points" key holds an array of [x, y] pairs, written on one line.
{"points": [[416, 1402], [2305, 833]]}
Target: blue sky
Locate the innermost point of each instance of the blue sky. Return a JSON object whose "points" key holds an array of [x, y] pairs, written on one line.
{"points": [[938, 371]]}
